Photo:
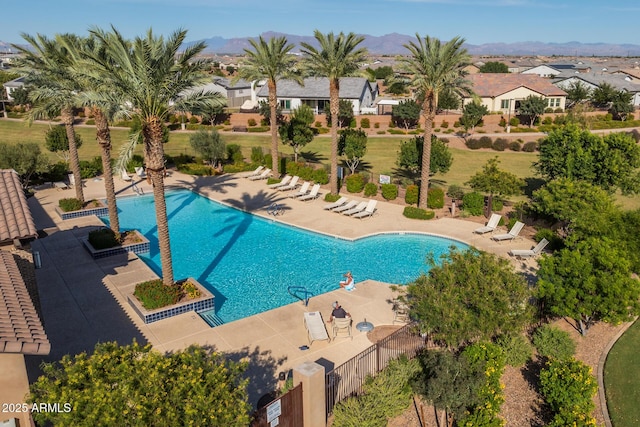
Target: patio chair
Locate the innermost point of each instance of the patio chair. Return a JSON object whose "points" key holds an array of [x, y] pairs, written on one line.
{"points": [[361, 207], [341, 201], [529, 253], [302, 191], [316, 331], [342, 326], [350, 205], [400, 312], [125, 176], [491, 225], [140, 172], [291, 186], [256, 172], [282, 183], [312, 195], [368, 211], [512, 234], [264, 175]]}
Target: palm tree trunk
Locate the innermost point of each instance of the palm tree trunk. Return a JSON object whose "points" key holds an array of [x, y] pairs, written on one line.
{"points": [[273, 109], [429, 114], [154, 158], [103, 135], [74, 161], [334, 107]]}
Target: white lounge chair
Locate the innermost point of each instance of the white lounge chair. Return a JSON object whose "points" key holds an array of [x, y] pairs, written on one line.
{"points": [[256, 172], [512, 234], [341, 201], [491, 225], [312, 195], [316, 331], [529, 253], [282, 183], [125, 176], [140, 172], [368, 211], [361, 206], [350, 205], [302, 191], [264, 175], [292, 184]]}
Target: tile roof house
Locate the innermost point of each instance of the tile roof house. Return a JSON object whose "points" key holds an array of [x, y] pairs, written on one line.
{"points": [[315, 93], [620, 82], [502, 92], [16, 221]]}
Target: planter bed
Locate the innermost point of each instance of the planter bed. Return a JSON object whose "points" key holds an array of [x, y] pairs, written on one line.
{"points": [[137, 248], [98, 211], [204, 302]]}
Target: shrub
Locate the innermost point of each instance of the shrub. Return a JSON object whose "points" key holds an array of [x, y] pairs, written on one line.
{"points": [[70, 205], [444, 124], [530, 147], [389, 191], [514, 121], [258, 129], [455, 192], [558, 110], [396, 132], [456, 124], [323, 131], [90, 122], [516, 348], [252, 122], [554, 343], [547, 120], [318, 124], [548, 110], [435, 198], [473, 203], [103, 238], [568, 386], [515, 146], [376, 125], [496, 204], [239, 167], [418, 213], [257, 155], [90, 169], [560, 120], [304, 172], [500, 144], [485, 142], [331, 197], [473, 143], [154, 294], [370, 189], [320, 176], [234, 153], [273, 181], [193, 120], [365, 123], [355, 183], [412, 194], [197, 169]]}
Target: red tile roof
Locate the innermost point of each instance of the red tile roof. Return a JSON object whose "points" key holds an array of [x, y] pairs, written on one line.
{"points": [[490, 85], [21, 330], [16, 221]]}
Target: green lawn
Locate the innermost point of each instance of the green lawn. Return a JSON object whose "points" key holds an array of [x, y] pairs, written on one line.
{"points": [[622, 379]]}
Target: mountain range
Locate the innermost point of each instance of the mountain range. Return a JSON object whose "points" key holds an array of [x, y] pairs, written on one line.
{"points": [[390, 44]]}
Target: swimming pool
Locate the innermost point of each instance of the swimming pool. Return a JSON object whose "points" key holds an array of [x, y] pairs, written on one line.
{"points": [[248, 262]]}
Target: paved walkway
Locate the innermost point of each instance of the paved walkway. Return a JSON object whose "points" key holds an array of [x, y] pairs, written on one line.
{"points": [[84, 300]]}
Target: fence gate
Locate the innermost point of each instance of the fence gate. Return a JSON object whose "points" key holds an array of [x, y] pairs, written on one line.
{"points": [[287, 409]]}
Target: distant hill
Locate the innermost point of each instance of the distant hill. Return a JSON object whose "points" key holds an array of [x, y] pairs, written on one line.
{"points": [[390, 44]]}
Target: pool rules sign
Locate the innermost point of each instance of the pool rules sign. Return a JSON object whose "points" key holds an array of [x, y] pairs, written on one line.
{"points": [[274, 411]]}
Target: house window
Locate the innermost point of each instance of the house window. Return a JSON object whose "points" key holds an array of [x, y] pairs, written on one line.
{"points": [[553, 102], [504, 104], [285, 104]]}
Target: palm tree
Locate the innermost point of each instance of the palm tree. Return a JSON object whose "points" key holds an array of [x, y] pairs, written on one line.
{"points": [[149, 75], [47, 64], [271, 61], [434, 68], [337, 57]]}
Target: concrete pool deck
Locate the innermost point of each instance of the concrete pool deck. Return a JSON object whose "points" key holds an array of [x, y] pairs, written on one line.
{"points": [[84, 300]]}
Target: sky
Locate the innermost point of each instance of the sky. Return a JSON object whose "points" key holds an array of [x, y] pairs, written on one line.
{"points": [[478, 21]]}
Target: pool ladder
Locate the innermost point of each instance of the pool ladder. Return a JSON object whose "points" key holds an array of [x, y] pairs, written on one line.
{"points": [[294, 291]]}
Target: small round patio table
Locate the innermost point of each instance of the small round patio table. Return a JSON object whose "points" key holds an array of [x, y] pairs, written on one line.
{"points": [[365, 326]]}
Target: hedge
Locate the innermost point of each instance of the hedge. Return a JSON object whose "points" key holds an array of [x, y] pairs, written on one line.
{"points": [[411, 195], [473, 203], [435, 198], [69, 205], [418, 213]]}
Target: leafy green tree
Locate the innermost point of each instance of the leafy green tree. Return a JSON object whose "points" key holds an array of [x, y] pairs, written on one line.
{"points": [[610, 162], [270, 60], [494, 67], [406, 114], [353, 146], [265, 111], [21, 96], [492, 180], [434, 67], [622, 105], [603, 95], [532, 107], [589, 282], [471, 296], [56, 141], [298, 132], [345, 113], [25, 158], [410, 156], [337, 56], [209, 144], [448, 100], [472, 115], [134, 385], [213, 113], [380, 73], [577, 93], [450, 382]]}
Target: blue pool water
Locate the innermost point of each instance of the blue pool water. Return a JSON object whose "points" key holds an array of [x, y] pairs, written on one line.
{"points": [[249, 262]]}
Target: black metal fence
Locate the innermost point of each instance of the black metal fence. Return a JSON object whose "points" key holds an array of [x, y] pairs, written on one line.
{"points": [[347, 379]]}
